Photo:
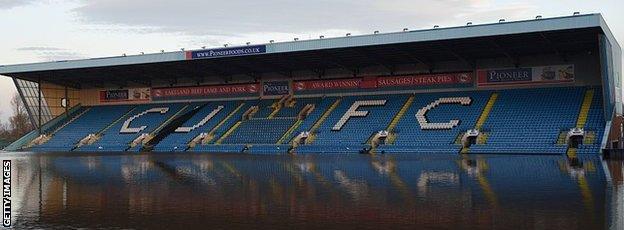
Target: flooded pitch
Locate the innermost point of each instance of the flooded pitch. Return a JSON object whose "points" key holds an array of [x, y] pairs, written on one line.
{"points": [[236, 191]]}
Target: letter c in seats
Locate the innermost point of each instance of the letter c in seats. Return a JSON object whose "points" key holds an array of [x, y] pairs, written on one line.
{"points": [[125, 127], [425, 124]]}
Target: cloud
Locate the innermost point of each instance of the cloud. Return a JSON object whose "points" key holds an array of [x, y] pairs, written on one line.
{"points": [[37, 48], [8, 4], [51, 53], [60, 55], [236, 17]]}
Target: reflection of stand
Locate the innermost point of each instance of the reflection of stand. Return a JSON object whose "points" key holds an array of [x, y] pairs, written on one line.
{"points": [[389, 167], [477, 168], [574, 167]]}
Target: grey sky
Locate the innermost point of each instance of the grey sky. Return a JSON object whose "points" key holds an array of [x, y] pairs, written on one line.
{"points": [[48, 30], [236, 17], [6, 4]]}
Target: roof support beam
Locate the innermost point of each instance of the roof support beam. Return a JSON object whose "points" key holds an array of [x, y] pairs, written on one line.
{"points": [[314, 67], [329, 59], [225, 76], [320, 73], [249, 71], [553, 47], [376, 60], [98, 84], [119, 84], [515, 60], [459, 57], [138, 76], [62, 82], [246, 70], [146, 83], [414, 59], [114, 80], [281, 70], [197, 74], [145, 79], [173, 81]]}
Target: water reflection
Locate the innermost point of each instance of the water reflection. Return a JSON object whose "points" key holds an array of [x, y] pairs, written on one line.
{"points": [[316, 191]]}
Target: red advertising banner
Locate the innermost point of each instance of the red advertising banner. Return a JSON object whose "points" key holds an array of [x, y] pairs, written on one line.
{"points": [[369, 83], [204, 91], [350, 83], [449, 80], [425, 80]]}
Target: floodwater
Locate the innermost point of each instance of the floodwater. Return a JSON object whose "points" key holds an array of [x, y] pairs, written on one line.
{"points": [[237, 191]]}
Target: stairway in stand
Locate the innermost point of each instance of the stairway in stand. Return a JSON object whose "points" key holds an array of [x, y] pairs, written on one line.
{"points": [[484, 115], [582, 117]]}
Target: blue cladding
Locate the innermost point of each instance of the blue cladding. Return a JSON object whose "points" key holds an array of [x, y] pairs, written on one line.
{"points": [[219, 148], [331, 149], [268, 149]]}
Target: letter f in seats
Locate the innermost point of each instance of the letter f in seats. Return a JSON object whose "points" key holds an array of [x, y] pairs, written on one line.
{"points": [[353, 112]]}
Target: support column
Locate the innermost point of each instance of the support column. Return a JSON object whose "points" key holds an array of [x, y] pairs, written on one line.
{"points": [[39, 104], [66, 101]]}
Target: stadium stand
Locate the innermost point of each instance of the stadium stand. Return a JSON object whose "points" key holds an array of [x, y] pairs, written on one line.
{"points": [[518, 121], [548, 86]]}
